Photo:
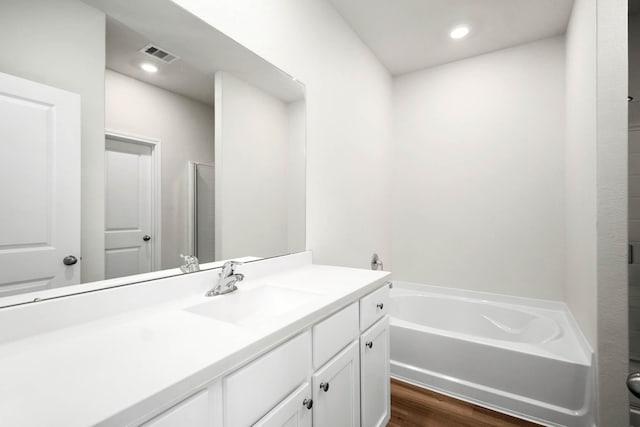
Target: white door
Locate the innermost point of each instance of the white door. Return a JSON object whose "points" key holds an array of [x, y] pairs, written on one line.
{"points": [[39, 186], [336, 390], [374, 375], [293, 411], [129, 247]]}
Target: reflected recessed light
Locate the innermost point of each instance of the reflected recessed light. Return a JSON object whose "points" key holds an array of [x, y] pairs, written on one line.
{"points": [[149, 68], [459, 32]]}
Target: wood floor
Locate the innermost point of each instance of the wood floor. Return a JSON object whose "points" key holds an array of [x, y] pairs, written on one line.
{"points": [[413, 406]]}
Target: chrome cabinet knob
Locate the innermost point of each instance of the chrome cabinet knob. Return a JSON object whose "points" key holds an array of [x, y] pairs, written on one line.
{"points": [[380, 306], [69, 260], [369, 344], [308, 403], [146, 237], [633, 383], [324, 387]]}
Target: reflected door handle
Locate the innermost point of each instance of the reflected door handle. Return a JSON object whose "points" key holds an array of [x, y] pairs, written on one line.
{"points": [[146, 237], [69, 260]]}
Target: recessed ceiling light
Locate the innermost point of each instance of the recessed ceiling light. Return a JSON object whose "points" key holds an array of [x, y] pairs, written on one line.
{"points": [[459, 32], [149, 68]]}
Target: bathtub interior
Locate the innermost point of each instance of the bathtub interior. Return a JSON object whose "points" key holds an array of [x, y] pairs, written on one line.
{"points": [[475, 318], [544, 328]]}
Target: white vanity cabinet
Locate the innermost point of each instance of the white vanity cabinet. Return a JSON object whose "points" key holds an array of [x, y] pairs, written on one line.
{"points": [[374, 375], [335, 373]]}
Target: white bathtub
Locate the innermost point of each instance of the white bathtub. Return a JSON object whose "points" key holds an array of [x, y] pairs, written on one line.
{"points": [[519, 356]]}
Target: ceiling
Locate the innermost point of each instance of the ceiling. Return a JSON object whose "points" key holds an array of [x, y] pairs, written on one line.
{"points": [[408, 35], [124, 56]]}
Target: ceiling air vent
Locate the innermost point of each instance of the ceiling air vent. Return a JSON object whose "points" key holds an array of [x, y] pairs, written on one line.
{"points": [[158, 53]]}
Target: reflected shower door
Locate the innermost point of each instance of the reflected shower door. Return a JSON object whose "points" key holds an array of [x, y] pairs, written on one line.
{"points": [[202, 180]]}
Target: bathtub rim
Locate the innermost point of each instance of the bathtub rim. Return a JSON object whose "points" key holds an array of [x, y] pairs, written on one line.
{"points": [[524, 302], [534, 312]]}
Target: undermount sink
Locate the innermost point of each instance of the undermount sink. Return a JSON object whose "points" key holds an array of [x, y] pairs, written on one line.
{"points": [[253, 307]]}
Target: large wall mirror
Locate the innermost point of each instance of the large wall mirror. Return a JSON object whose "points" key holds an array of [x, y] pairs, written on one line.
{"points": [[131, 134]]}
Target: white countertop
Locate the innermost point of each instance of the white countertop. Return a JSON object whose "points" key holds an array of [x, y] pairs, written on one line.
{"points": [[96, 371]]}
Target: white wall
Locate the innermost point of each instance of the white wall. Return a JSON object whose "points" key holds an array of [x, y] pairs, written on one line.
{"points": [[185, 129], [581, 203], [596, 183], [348, 118], [61, 44], [251, 144], [478, 173]]}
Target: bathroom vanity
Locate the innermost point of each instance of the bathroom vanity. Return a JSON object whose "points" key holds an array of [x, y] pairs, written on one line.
{"points": [[297, 344]]}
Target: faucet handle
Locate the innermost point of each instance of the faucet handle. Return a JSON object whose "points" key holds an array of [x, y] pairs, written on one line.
{"points": [[228, 267], [191, 264]]}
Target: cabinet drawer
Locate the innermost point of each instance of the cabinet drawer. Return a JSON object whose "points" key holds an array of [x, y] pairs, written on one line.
{"points": [[250, 392], [374, 306], [333, 334], [193, 411]]}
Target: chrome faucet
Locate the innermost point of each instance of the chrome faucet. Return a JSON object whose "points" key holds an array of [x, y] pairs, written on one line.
{"points": [[190, 264], [227, 279]]}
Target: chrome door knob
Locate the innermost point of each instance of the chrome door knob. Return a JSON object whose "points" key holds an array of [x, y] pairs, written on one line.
{"points": [[633, 384], [308, 403], [324, 387], [146, 237], [69, 260]]}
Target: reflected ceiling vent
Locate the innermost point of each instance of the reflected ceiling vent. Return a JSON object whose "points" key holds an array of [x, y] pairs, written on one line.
{"points": [[159, 53]]}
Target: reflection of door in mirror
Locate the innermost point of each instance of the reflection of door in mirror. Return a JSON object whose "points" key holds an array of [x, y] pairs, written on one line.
{"points": [[202, 213], [132, 196], [40, 171], [184, 127]]}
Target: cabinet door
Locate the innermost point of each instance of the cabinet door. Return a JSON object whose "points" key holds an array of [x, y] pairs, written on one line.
{"points": [[293, 411], [336, 390], [374, 374]]}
